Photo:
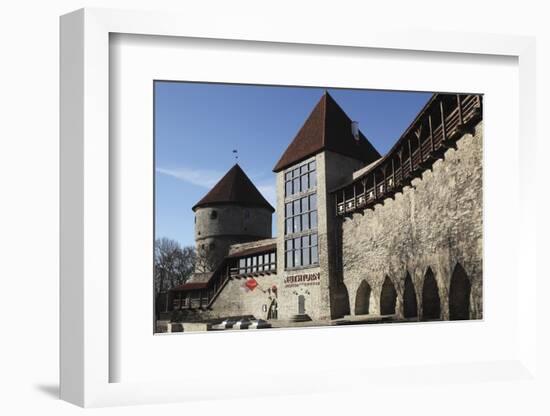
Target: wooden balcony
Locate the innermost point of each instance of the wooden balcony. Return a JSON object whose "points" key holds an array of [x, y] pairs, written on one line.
{"points": [[446, 118]]}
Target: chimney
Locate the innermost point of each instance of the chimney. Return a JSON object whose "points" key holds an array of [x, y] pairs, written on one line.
{"points": [[355, 130]]}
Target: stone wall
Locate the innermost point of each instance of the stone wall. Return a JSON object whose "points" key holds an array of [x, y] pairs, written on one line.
{"points": [[429, 230], [434, 225], [337, 169], [236, 299]]}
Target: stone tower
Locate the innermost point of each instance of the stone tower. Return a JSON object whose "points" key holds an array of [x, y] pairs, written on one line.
{"points": [[234, 211], [325, 153]]}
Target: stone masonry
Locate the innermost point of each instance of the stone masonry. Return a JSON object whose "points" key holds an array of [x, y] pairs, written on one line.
{"points": [[412, 252], [436, 223]]}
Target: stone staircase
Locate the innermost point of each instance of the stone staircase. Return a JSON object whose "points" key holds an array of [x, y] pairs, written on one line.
{"points": [[300, 318]]}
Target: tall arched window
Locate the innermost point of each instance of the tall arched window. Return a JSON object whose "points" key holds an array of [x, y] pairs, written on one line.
{"points": [[431, 305], [459, 294]]}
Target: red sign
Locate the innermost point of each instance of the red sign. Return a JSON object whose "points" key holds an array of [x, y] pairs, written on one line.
{"points": [[251, 284]]}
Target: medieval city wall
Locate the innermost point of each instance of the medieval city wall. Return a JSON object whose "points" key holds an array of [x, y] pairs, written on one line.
{"points": [[237, 300], [335, 169], [434, 224]]}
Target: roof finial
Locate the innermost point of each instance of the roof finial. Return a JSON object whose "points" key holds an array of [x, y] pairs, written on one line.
{"points": [[236, 153]]}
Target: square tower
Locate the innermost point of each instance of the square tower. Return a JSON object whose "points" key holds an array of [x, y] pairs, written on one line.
{"points": [[325, 152]]}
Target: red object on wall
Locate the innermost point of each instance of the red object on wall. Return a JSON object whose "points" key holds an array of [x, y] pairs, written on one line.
{"points": [[251, 284]]}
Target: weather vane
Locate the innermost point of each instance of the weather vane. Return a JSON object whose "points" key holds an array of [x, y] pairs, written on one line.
{"points": [[236, 153]]}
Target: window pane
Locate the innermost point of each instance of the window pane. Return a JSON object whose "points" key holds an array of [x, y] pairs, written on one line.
{"points": [[289, 259], [289, 226], [288, 244], [313, 239], [296, 172], [303, 169], [305, 241], [305, 204], [272, 258], [304, 182], [305, 256], [288, 210], [314, 255], [297, 224], [312, 165], [296, 185], [288, 176], [297, 243], [288, 188], [305, 221], [297, 209], [313, 219], [313, 201], [297, 258], [312, 180]]}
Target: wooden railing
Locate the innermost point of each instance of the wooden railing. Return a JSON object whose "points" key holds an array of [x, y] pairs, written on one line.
{"points": [[421, 144]]}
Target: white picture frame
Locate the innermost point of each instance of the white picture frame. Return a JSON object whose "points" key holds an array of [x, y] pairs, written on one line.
{"points": [[86, 355]]}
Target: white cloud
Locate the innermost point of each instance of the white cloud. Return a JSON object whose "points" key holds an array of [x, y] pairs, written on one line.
{"points": [[200, 177], [206, 178]]}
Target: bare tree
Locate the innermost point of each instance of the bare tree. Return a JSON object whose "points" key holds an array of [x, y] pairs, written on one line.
{"points": [[173, 265], [205, 260]]}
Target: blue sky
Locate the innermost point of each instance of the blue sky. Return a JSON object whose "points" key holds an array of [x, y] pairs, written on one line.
{"points": [[198, 125]]}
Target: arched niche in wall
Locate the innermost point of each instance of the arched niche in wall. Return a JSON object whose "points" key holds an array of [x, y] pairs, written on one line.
{"points": [[388, 297], [431, 303], [459, 294], [362, 299], [410, 305]]}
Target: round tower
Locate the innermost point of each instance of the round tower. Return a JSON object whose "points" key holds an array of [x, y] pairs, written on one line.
{"points": [[234, 211]]}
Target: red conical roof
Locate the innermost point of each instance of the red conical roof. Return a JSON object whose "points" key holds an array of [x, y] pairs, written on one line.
{"points": [[327, 128], [234, 188]]}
